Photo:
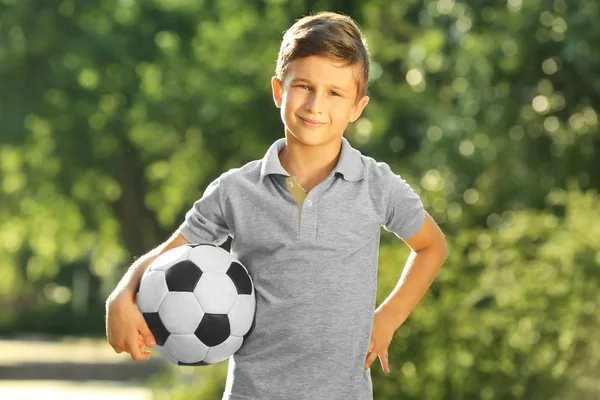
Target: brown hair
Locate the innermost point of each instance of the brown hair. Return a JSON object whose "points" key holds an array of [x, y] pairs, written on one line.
{"points": [[327, 34]]}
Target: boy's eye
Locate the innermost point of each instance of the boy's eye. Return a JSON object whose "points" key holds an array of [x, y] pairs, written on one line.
{"points": [[308, 88]]}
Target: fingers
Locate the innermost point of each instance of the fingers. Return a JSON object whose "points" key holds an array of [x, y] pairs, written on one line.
{"points": [[383, 358], [126, 329], [142, 355], [141, 342], [372, 355], [370, 358], [137, 352], [146, 334], [140, 345]]}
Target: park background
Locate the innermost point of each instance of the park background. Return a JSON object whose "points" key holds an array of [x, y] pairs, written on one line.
{"points": [[116, 115]]}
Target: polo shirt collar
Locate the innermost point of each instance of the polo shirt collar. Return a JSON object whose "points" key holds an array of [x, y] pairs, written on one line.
{"points": [[349, 164]]}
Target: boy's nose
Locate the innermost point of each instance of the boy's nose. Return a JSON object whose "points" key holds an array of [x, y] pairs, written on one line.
{"points": [[313, 105]]}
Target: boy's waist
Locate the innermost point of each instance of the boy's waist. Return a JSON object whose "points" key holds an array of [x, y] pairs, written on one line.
{"points": [[297, 378]]}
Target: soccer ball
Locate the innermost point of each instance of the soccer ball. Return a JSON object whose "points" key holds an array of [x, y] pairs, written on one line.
{"points": [[199, 303]]}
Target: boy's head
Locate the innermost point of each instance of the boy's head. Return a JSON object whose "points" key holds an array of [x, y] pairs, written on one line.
{"points": [[329, 35], [321, 77]]}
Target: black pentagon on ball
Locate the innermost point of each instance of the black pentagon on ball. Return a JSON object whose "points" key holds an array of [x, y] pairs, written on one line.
{"points": [[213, 329], [183, 276], [196, 364], [157, 328], [240, 278]]}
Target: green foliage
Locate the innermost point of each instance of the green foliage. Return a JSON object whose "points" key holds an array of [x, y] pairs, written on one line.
{"points": [[185, 383], [115, 115], [510, 313]]}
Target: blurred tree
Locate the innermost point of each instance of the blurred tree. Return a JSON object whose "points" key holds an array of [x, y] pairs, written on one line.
{"points": [[509, 316], [491, 104], [114, 117]]}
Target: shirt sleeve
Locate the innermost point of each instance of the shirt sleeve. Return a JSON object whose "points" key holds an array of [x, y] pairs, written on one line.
{"points": [[205, 221], [405, 213]]}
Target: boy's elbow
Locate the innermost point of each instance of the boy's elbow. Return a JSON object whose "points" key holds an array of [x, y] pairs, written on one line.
{"points": [[439, 247], [444, 248]]}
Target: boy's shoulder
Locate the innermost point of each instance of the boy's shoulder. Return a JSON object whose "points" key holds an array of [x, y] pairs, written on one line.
{"points": [[248, 171], [377, 171]]}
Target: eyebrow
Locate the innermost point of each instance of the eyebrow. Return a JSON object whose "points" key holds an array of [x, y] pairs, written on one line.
{"points": [[297, 80]]}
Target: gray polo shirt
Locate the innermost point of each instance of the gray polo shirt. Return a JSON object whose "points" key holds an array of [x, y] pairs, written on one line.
{"points": [[313, 259]]}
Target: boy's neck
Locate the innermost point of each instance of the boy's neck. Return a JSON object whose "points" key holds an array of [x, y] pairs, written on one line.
{"points": [[309, 164]]}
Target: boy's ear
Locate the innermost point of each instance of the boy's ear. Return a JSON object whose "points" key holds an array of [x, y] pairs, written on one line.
{"points": [[277, 87], [358, 108]]}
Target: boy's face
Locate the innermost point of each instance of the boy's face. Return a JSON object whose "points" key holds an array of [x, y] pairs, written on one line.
{"points": [[317, 99]]}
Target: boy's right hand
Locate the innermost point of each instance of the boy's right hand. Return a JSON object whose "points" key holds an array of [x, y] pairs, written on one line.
{"points": [[126, 328]]}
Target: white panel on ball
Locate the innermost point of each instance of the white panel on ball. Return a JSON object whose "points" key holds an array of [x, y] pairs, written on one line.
{"points": [[241, 314], [215, 292], [210, 258], [153, 289], [163, 352], [180, 312], [224, 350], [171, 257], [185, 348]]}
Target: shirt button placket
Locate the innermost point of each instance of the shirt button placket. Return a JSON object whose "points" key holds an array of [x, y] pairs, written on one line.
{"points": [[309, 219]]}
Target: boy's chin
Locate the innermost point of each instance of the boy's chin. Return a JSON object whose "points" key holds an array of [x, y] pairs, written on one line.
{"points": [[311, 138]]}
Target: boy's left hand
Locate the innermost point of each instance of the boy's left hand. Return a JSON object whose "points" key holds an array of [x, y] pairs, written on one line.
{"points": [[381, 337]]}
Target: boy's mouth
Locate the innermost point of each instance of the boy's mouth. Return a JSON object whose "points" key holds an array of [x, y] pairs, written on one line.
{"points": [[311, 123]]}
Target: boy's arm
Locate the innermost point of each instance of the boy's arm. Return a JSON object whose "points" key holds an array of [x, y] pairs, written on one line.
{"points": [[126, 329], [429, 250]]}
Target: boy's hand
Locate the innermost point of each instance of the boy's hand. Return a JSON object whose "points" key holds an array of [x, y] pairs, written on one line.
{"points": [[381, 337], [126, 329]]}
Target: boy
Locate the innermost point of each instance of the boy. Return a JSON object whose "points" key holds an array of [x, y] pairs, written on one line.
{"points": [[306, 220]]}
